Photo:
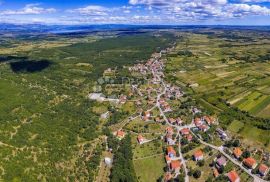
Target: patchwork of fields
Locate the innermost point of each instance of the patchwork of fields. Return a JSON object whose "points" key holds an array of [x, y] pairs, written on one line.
{"points": [[216, 71], [222, 73]]}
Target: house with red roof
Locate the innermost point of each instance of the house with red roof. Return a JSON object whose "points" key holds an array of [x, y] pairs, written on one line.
{"points": [[237, 152], [184, 131], [233, 176], [250, 162], [175, 165], [198, 155], [209, 120], [263, 169], [170, 151], [140, 139], [172, 120], [198, 122], [120, 134], [203, 127], [169, 130]]}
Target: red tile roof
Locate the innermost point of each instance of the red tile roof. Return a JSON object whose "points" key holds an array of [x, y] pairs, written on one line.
{"points": [[175, 164], [233, 176], [249, 162], [184, 131], [170, 149], [263, 168], [198, 154], [120, 133], [237, 152]]}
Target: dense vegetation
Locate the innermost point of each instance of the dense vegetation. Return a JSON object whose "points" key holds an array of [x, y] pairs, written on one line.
{"points": [[49, 129], [123, 169]]}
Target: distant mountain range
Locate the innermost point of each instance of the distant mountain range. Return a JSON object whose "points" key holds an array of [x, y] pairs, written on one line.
{"points": [[55, 29]]}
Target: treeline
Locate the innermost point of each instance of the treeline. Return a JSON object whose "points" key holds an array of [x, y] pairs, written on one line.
{"points": [[123, 169], [231, 113]]}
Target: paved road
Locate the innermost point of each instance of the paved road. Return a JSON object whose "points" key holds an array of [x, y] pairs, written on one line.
{"points": [[178, 128], [220, 149]]}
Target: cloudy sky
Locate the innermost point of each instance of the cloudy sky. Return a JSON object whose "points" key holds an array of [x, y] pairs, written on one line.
{"points": [[180, 12]]}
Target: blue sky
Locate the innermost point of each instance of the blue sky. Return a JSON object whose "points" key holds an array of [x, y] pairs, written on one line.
{"points": [[179, 12]]}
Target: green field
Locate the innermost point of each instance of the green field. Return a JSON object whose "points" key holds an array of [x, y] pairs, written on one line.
{"points": [[149, 169]]}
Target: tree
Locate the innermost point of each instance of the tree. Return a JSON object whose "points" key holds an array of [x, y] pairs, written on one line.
{"points": [[181, 178], [236, 143], [201, 163], [197, 174], [246, 154]]}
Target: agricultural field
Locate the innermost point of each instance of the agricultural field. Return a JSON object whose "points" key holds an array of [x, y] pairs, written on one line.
{"points": [[227, 75], [216, 69]]}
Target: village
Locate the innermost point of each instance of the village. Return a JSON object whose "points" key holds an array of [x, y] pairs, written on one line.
{"points": [[194, 146]]}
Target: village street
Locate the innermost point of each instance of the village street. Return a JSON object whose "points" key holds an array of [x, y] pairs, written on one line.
{"points": [[156, 69]]}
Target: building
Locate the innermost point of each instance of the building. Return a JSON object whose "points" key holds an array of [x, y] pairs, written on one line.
{"points": [[233, 176], [184, 131], [209, 120], [169, 130], [108, 161], [250, 162], [203, 128], [170, 151], [198, 155], [123, 99], [175, 165], [189, 137], [170, 140], [221, 162], [179, 121], [172, 120], [140, 139], [198, 122], [158, 119], [146, 115], [215, 172], [120, 134], [237, 152], [263, 169]]}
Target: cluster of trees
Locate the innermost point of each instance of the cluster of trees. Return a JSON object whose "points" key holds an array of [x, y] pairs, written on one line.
{"points": [[195, 173], [93, 163], [116, 117], [189, 147], [123, 169]]}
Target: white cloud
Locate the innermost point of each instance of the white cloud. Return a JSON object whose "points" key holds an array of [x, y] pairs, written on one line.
{"points": [[91, 10], [29, 9]]}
